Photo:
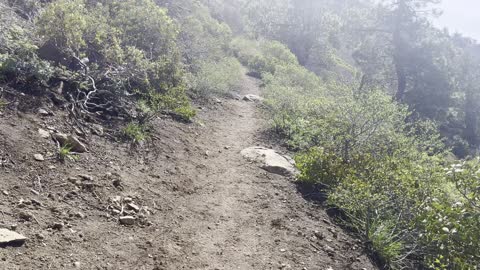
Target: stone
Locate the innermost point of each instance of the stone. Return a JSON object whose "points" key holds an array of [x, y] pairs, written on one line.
{"points": [[252, 98], [86, 177], [97, 130], [134, 207], [43, 112], [43, 133], [127, 220], [271, 161], [70, 141], [39, 157], [11, 238]]}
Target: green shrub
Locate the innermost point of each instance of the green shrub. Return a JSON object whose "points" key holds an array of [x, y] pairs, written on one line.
{"points": [[131, 45], [216, 78], [136, 132]]}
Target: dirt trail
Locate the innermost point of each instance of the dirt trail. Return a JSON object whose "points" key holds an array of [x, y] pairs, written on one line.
{"points": [[245, 218], [209, 208]]}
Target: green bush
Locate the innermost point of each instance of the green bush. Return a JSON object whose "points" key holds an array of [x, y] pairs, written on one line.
{"points": [[19, 62], [136, 132], [385, 173], [131, 45], [216, 78]]}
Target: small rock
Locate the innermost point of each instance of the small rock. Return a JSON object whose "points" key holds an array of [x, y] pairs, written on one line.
{"points": [[86, 177], [97, 130], [43, 133], [25, 216], [76, 264], [217, 100], [70, 141], [57, 226], [253, 98], [43, 112], [270, 160], [5, 192], [39, 157], [80, 215], [134, 207], [127, 200], [11, 238], [127, 220], [329, 249], [319, 235]]}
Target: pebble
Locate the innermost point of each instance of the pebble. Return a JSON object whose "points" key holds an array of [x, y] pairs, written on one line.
{"points": [[134, 207], [127, 220], [43, 133], [39, 157]]}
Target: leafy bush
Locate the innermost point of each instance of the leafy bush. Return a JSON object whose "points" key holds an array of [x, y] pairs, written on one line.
{"points": [[19, 62], [218, 78], [385, 173], [135, 132], [130, 46]]}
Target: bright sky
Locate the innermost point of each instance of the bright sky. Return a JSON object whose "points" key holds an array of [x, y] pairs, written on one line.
{"points": [[461, 16]]}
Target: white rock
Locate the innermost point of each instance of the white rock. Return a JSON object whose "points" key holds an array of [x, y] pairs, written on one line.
{"points": [[71, 141], [43, 133], [127, 220], [38, 157], [253, 98], [271, 160], [8, 237], [43, 112]]}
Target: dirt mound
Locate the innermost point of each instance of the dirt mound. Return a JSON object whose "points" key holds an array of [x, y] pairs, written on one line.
{"points": [[185, 200]]}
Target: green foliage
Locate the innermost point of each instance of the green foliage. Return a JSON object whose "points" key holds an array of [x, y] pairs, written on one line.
{"points": [[216, 78], [136, 132], [383, 171], [65, 152], [131, 45], [261, 57], [18, 59]]}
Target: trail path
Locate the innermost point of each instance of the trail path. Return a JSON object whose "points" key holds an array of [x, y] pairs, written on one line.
{"points": [[245, 218]]}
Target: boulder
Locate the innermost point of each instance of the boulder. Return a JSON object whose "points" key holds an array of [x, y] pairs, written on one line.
{"points": [[71, 141], [253, 98], [271, 160], [39, 157], [11, 238], [43, 133]]}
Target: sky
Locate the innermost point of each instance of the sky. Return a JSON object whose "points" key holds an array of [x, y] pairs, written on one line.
{"points": [[461, 16]]}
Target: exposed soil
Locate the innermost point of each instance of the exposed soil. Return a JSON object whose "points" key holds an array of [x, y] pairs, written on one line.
{"points": [[201, 204]]}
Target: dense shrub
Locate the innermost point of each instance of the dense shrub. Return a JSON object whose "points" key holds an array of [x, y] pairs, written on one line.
{"points": [[218, 78], [19, 62], [385, 173], [130, 46]]}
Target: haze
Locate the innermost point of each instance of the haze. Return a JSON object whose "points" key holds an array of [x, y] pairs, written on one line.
{"points": [[461, 16]]}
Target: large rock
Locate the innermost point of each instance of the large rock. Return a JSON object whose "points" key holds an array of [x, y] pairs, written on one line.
{"points": [[11, 238], [70, 141], [271, 160], [253, 98]]}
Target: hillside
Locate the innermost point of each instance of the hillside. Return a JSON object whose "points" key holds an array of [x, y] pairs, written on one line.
{"points": [[212, 134]]}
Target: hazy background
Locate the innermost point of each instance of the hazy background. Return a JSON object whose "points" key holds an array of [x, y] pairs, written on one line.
{"points": [[461, 16]]}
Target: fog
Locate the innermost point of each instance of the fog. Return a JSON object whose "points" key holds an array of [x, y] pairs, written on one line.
{"points": [[461, 16]]}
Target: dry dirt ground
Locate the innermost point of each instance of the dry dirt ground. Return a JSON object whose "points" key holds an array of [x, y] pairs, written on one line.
{"points": [[201, 205]]}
